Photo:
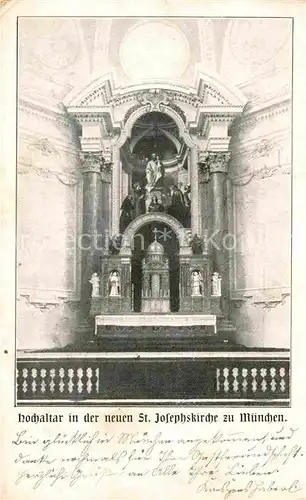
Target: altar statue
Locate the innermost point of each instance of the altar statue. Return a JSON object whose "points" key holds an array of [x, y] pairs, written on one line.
{"points": [[196, 244], [153, 171], [196, 284], [95, 282], [177, 207], [216, 284], [187, 199], [127, 213], [139, 199], [114, 284]]}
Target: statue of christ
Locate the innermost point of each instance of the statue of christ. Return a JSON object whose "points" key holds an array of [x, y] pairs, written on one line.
{"points": [[153, 171]]}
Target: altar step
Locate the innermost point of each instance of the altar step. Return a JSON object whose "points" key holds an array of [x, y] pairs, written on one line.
{"points": [[156, 339]]}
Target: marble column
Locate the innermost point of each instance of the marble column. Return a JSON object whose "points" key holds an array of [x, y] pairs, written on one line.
{"points": [[194, 183], [213, 168], [116, 191], [184, 285], [96, 179]]}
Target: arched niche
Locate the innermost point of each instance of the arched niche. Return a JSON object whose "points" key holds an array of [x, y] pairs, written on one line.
{"points": [[126, 131], [181, 233]]}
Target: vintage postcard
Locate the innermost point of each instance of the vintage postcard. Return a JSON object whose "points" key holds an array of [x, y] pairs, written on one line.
{"points": [[152, 206]]}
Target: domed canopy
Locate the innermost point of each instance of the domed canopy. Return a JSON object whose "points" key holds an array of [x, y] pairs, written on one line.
{"points": [[155, 249]]}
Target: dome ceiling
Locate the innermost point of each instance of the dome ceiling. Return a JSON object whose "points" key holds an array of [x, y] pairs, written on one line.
{"points": [[58, 55]]}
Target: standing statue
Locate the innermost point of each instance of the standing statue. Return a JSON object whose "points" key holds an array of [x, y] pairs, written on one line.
{"points": [[196, 284], [140, 199], [95, 281], [196, 244], [187, 199], [114, 284], [153, 172], [216, 284], [177, 206], [127, 213]]}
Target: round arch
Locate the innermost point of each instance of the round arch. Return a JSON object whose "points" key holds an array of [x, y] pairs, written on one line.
{"points": [[150, 218]]}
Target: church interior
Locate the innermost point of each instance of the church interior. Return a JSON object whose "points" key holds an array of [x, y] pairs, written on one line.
{"points": [[154, 208]]}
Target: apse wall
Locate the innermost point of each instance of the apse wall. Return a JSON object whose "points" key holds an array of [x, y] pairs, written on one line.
{"points": [[49, 198], [260, 219]]}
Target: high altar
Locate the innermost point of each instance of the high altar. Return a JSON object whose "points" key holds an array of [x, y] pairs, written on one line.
{"points": [[155, 211]]}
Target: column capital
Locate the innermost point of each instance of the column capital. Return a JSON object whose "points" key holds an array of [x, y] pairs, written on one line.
{"points": [[97, 162], [211, 162]]}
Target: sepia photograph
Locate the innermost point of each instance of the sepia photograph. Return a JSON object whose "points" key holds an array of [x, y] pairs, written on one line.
{"points": [[154, 211]]}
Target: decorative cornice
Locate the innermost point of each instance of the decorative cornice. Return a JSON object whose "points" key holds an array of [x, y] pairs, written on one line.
{"points": [[218, 108], [207, 115], [205, 89], [46, 113], [266, 111], [104, 91], [210, 162], [208, 89], [101, 115]]}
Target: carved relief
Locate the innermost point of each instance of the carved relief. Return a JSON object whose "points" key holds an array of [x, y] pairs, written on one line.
{"points": [[154, 97], [98, 162], [260, 161], [44, 160]]}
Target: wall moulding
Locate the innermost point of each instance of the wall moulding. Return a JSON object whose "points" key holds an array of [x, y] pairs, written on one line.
{"points": [[39, 155], [261, 158], [266, 298], [244, 178], [70, 179], [48, 299]]}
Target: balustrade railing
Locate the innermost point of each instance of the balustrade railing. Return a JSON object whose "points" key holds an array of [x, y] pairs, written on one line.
{"points": [[234, 378]]}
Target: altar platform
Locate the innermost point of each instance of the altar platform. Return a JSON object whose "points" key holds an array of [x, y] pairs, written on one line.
{"points": [[155, 331], [144, 319]]}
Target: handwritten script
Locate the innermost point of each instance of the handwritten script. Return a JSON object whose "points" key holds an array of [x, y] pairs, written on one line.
{"points": [[213, 465]]}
